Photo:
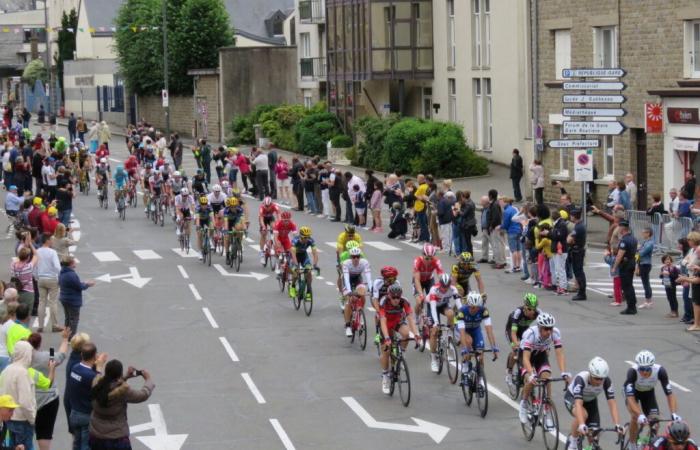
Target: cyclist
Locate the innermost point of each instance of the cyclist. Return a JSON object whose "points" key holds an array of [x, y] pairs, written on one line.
{"points": [[216, 201], [132, 165], [344, 256], [199, 183], [155, 183], [639, 390], [226, 188], [389, 276], [534, 357], [85, 163], [281, 231], [166, 174], [395, 316], [348, 235], [300, 257], [146, 185], [423, 268], [441, 301], [120, 179], [203, 218], [518, 321], [463, 270], [268, 214], [184, 210], [469, 320], [177, 182], [234, 218], [581, 400], [102, 173], [354, 269], [677, 437], [349, 246]]}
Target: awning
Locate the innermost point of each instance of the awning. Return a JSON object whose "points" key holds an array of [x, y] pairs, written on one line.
{"points": [[686, 145]]}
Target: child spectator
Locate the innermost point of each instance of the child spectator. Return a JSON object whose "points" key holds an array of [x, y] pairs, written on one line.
{"points": [[375, 204], [609, 259], [360, 203], [544, 248], [669, 275]]}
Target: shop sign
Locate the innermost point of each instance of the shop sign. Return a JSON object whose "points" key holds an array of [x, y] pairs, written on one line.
{"points": [[686, 145], [683, 115]]}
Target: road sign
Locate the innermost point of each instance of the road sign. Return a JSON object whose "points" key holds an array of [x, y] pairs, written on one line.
{"points": [[593, 73], [164, 95], [161, 440], [594, 99], [594, 112], [574, 143], [133, 278], [606, 128], [594, 86], [583, 165], [436, 432]]}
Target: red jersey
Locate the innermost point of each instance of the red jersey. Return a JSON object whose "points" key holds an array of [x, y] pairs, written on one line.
{"points": [[426, 268], [394, 314], [34, 217], [48, 224], [102, 152], [661, 443], [284, 228], [268, 211], [131, 165]]}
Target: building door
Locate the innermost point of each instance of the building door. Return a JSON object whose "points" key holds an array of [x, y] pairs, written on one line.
{"points": [[640, 143], [427, 103]]}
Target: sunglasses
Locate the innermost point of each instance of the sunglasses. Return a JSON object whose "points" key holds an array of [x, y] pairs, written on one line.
{"points": [[428, 258], [645, 369], [596, 379], [527, 308], [355, 257]]}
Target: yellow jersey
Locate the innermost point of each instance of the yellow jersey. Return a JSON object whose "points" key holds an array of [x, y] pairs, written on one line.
{"points": [[343, 239], [419, 205]]}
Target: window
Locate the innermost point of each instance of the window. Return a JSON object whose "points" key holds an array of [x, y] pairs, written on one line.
{"points": [[605, 47], [476, 33], [487, 32], [478, 114], [308, 99], [609, 156], [305, 45], [692, 41], [427, 103], [562, 52], [278, 27], [563, 154], [451, 43], [488, 115], [452, 92]]}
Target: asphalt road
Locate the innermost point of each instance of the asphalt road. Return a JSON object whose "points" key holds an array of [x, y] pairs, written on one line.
{"points": [[236, 366]]}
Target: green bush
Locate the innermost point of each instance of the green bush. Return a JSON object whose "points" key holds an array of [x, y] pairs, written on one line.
{"points": [[241, 127], [352, 154], [278, 125], [314, 131], [341, 141], [371, 138]]}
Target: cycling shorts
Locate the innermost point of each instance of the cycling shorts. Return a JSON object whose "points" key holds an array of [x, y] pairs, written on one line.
{"points": [[591, 407], [185, 213], [476, 335], [204, 221], [393, 325], [285, 242], [442, 308], [303, 259], [539, 361], [267, 221], [355, 279], [426, 285], [233, 222], [217, 207], [647, 400]]}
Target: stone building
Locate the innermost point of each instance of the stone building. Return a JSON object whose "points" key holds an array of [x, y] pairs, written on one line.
{"points": [[653, 41]]}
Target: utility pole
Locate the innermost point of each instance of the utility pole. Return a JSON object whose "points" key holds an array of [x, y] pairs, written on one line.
{"points": [[47, 53], [165, 67]]}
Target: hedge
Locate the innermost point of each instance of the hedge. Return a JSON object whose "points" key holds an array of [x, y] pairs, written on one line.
{"points": [[314, 131], [341, 141]]}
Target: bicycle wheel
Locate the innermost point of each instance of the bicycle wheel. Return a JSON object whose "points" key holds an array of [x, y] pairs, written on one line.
{"points": [[122, 209], [550, 425], [209, 252], [440, 354], [181, 238], [301, 287], [514, 385], [308, 301], [404, 381], [205, 248], [425, 335], [362, 330], [187, 242], [394, 372], [482, 392], [625, 441], [467, 391], [452, 360], [531, 425], [282, 279], [239, 255], [161, 214]]}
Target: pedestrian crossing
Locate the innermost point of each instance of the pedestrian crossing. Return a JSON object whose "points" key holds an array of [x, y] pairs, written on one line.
{"points": [[379, 245], [605, 286]]}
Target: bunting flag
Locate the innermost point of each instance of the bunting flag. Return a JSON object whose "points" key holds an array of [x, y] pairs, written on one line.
{"points": [[133, 28]]}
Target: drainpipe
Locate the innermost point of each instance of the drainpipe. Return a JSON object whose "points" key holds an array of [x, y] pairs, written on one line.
{"points": [[535, 75]]}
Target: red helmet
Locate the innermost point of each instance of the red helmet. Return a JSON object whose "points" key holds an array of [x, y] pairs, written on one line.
{"points": [[286, 215], [389, 272], [429, 250]]}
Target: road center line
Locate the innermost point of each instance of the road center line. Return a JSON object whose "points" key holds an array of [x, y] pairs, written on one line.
{"points": [[282, 434], [673, 383], [183, 273], [210, 318], [253, 388], [229, 349], [195, 292]]}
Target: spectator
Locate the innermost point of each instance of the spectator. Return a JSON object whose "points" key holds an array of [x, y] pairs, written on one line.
{"points": [[13, 202], [271, 163], [392, 190], [669, 275], [684, 206], [7, 408], [19, 330], [93, 137], [262, 179], [22, 175], [81, 127], [243, 164], [78, 393], [218, 157], [624, 196], [296, 173], [104, 134], [496, 239], [26, 117], [688, 188], [657, 206], [335, 192], [76, 346], [283, 181], [537, 180], [485, 231], [397, 221], [23, 268], [646, 249], [693, 279], [530, 275], [360, 205], [324, 174], [49, 220], [71, 295], [375, 204], [420, 208], [543, 244], [514, 231], [64, 203], [577, 252], [37, 166], [673, 203], [72, 127], [41, 117], [613, 219], [631, 189], [49, 179], [625, 261], [61, 242], [516, 174], [433, 198], [687, 248], [445, 217], [309, 177], [560, 251], [47, 271], [8, 319], [17, 383], [609, 259], [111, 394]]}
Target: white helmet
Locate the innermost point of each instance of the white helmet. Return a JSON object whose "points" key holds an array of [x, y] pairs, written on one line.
{"points": [[474, 299], [224, 184], [355, 251], [103, 161], [545, 320], [645, 358], [184, 192], [444, 280], [216, 188], [177, 173], [598, 368]]}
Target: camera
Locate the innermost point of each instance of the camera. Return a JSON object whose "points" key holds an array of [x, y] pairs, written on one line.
{"points": [[138, 373]]}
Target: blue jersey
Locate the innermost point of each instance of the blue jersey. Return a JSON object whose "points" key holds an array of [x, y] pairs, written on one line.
{"points": [[300, 246], [120, 179], [233, 213], [471, 321]]}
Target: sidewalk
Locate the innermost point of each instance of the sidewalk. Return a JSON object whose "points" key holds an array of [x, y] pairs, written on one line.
{"points": [[497, 178]]}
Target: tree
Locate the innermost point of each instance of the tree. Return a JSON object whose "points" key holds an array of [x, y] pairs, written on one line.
{"points": [[66, 42], [34, 71], [202, 27]]}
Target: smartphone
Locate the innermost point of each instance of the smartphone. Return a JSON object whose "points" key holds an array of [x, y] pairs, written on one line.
{"points": [[51, 354]]}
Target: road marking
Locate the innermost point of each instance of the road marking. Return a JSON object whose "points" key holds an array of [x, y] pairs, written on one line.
{"points": [[147, 254], [210, 318], [369, 308], [256, 275], [255, 247], [331, 244], [329, 283], [383, 246], [282, 434], [76, 236], [412, 244], [673, 383], [249, 240], [161, 440], [253, 388], [319, 277], [106, 256], [192, 253], [195, 292], [115, 160], [229, 349], [183, 273]]}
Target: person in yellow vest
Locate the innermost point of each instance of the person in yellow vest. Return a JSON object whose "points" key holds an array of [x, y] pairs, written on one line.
{"points": [[420, 208], [18, 331]]}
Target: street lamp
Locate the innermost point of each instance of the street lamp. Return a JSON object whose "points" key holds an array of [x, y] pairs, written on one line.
{"points": [[165, 67]]}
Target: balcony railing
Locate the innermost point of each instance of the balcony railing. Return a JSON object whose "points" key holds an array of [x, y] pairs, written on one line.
{"points": [[313, 68], [311, 11]]}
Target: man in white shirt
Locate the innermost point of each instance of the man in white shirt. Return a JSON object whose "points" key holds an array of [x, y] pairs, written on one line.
{"points": [[47, 270], [673, 203], [631, 189], [262, 179], [49, 178]]}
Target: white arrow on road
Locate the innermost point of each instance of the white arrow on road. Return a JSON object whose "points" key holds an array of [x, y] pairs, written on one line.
{"points": [[435, 431], [161, 440], [256, 275], [136, 280]]}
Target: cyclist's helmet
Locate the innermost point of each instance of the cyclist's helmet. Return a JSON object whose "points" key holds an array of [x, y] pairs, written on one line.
{"points": [[349, 245], [235, 191], [429, 250], [177, 174], [389, 272], [394, 290], [203, 200], [224, 184], [678, 431], [466, 257], [184, 192], [286, 215], [148, 166], [645, 358], [444, 281], [598, 368], [231, 202], [355, 251], [545, 320], [267, 201], [530, 300], [216, 188], [475, 300], [103, 161], [350, 229], [305, 232]]}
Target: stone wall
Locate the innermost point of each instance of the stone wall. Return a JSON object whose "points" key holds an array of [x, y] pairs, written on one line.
{"points": [[650, 42], [181, 113], [207, 99]]}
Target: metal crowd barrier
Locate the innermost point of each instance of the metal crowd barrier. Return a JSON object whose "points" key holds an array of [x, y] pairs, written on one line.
{"points": [[667, 229]]}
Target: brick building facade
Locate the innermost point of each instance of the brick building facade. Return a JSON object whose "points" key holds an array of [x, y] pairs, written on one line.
{"points": [[646, 38]]}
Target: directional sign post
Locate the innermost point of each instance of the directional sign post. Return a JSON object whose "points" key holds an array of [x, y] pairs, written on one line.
{"points": [[605, 128], [574, 143], [593, 112], [594, 86], [594, 99], [593, 73]]}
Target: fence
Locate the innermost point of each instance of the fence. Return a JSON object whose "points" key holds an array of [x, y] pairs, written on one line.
{"points": [[34, 97], [666, 229]]}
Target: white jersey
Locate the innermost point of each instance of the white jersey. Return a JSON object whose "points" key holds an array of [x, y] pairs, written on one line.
{"points": [[635, 382], [186, 202], [216, 200], [379, 288], [533, 342], [582, 389], [350, 270]]}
